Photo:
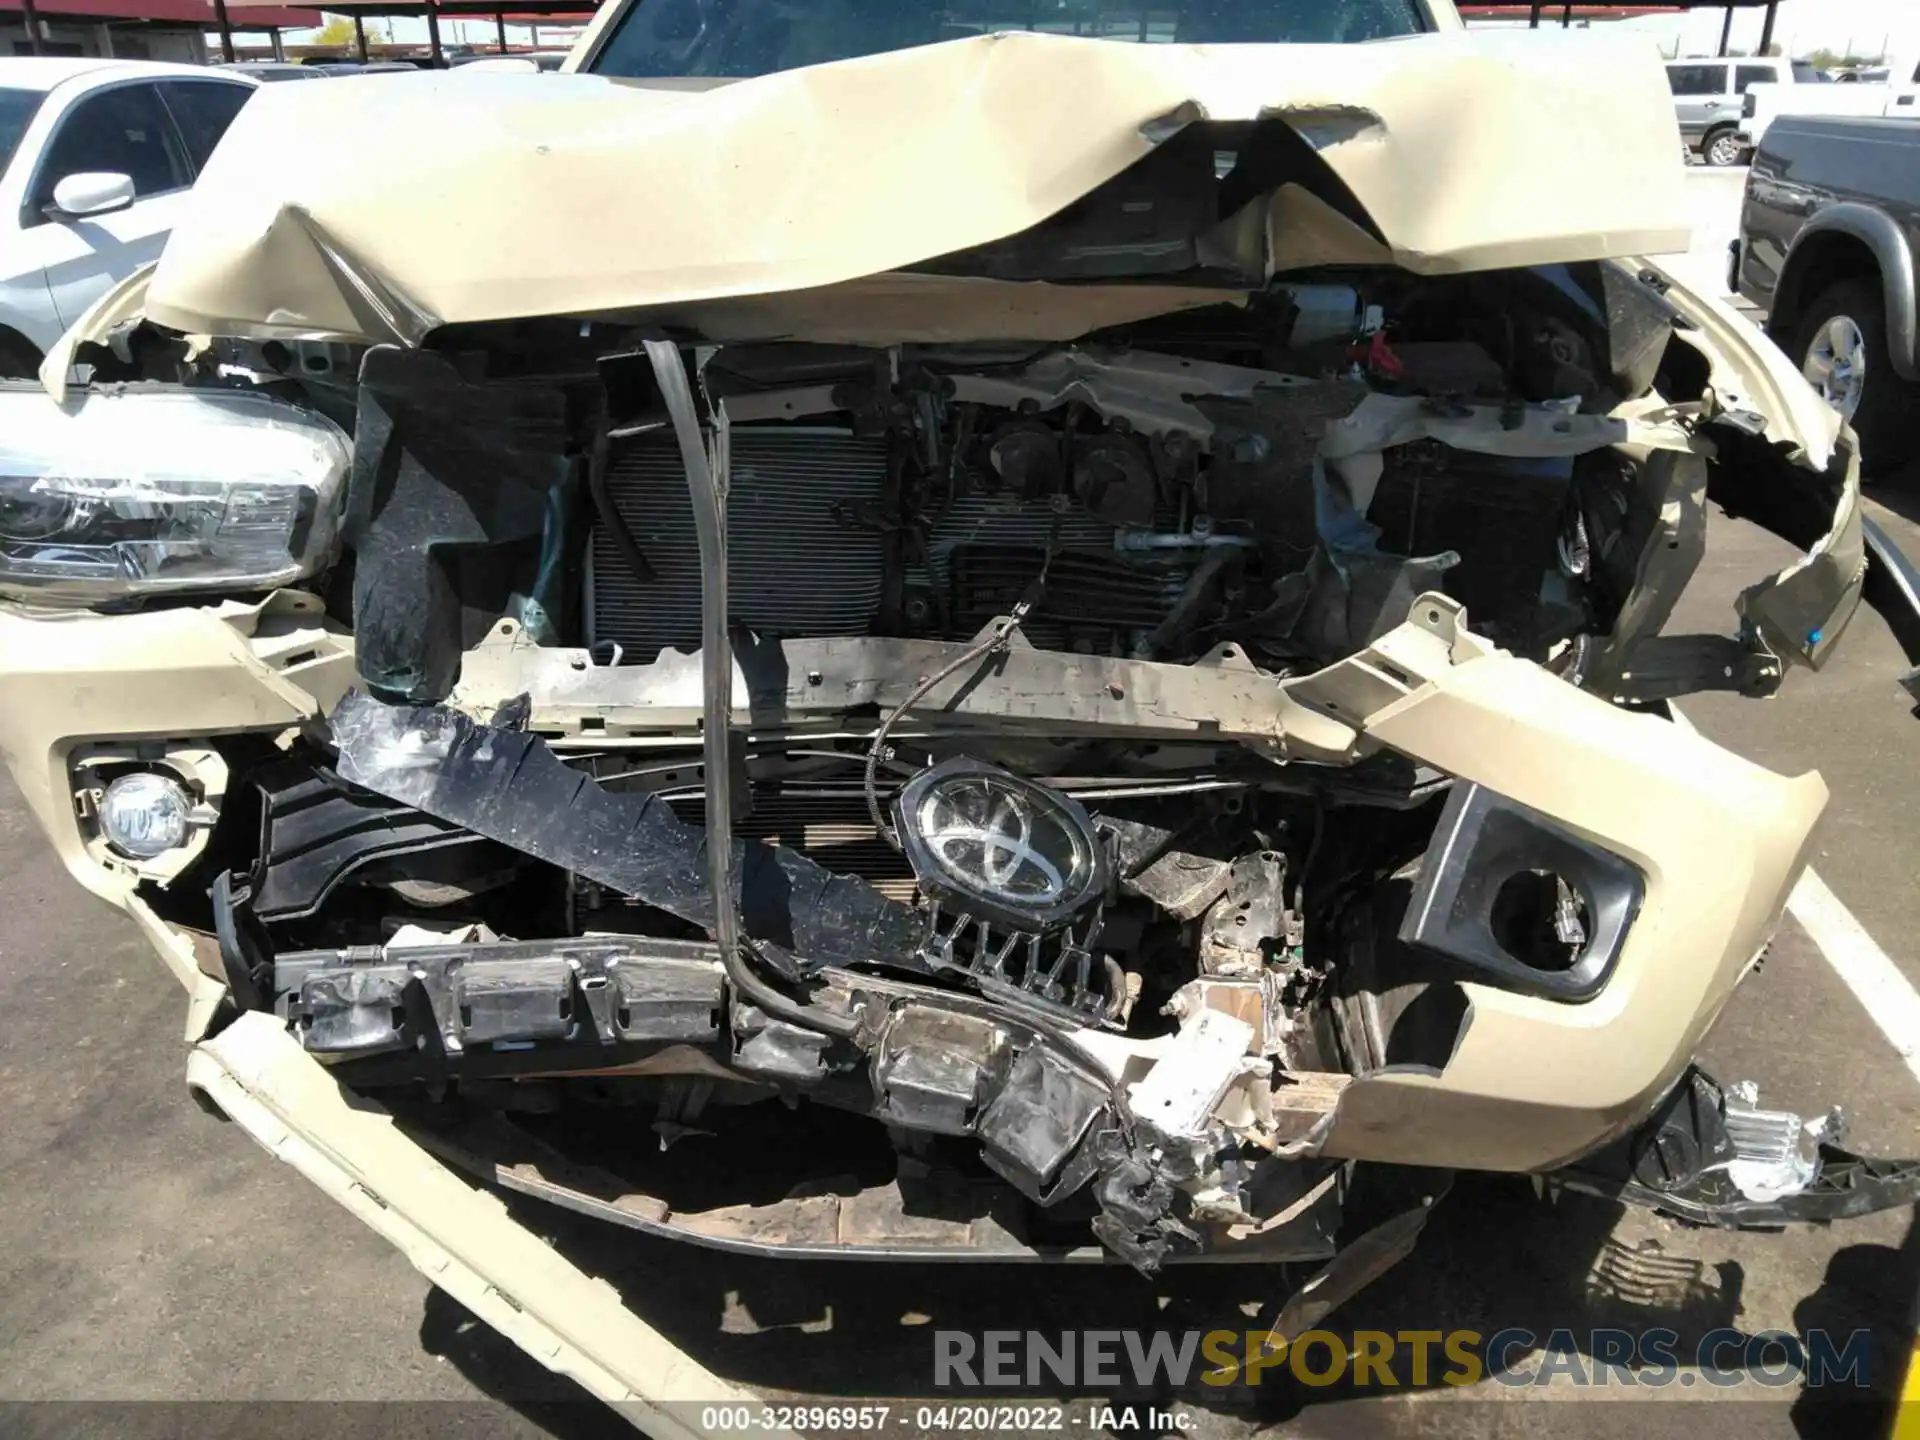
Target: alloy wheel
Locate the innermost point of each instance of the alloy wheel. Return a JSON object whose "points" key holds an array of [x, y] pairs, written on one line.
{"points": [[1836, 364]]}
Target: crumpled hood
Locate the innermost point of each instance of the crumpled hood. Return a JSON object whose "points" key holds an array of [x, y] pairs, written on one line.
{"points": [[382, 207]]}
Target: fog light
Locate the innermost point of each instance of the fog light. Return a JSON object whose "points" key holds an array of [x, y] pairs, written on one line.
{"points": [[145, 815]]}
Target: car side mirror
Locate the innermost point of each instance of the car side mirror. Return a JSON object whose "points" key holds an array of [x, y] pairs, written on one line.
{"points": [[90, 192]]}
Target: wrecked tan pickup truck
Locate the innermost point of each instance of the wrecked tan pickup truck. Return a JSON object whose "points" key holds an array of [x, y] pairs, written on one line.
{"points": [[1074, 630]]}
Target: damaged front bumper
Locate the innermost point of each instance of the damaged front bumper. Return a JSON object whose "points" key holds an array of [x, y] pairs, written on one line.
{"points": [[1527, 1082], [460, 1238]]}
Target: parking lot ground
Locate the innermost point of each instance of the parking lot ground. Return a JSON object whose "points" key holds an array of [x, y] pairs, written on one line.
{"points": [[150, 1253], [1713, 209]]}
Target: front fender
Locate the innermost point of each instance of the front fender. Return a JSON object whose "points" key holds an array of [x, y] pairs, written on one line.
{"points": [[1785, 460]]}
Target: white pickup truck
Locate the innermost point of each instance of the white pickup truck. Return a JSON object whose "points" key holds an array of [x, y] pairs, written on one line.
{"points": [[1898, 96]]}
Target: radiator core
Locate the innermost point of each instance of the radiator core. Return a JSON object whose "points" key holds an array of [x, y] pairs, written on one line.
{"points": [[799, 560]]}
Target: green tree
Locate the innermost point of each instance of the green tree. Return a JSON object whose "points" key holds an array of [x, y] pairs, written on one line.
{"points": [[337, 34], [338, 31]]}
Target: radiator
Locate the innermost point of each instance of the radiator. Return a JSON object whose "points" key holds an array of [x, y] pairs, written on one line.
{"points": [[794, 567], [829, 823]]}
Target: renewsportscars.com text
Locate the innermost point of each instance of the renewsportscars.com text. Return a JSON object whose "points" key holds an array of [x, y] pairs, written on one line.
{"points": [[1380, 1359]]}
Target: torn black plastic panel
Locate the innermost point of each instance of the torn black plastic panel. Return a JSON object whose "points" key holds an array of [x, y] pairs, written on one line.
{"points": [[318, 833], [1666, 667], [1640, 325], [447, 473], [1678, 1162], [1473, 903], [509, 787]]}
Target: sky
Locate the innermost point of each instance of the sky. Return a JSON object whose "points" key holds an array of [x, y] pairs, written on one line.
{"points": [[1861, 27], [1844, 26]]}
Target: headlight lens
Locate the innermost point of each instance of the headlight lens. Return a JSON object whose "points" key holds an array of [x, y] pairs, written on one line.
{"points": [[145, 815], [128, 493]]}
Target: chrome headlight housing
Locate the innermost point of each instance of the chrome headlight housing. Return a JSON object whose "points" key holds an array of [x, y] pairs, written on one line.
{"points": [[122, 494]]}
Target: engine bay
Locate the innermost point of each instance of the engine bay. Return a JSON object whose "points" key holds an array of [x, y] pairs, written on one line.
{"points": [[1168, 495], [952, 735]]}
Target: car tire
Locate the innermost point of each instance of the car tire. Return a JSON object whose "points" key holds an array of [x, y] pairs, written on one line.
{"points": [[1722, 148], [18, 360], [1852, 315]]}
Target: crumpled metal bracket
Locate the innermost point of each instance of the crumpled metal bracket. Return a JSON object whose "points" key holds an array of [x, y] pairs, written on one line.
{"points": [[1695, 1159]]}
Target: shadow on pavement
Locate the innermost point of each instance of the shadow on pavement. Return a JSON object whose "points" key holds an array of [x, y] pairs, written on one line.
{"points": [[1866, 1287], [1494, 1257], [1497, 1258]]}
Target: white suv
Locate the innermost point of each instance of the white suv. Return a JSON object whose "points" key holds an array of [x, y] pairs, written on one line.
{"points": [[1708, 96], [95, 159]]}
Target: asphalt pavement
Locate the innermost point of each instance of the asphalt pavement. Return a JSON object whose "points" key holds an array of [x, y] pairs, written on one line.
{"points": [[150, 1253]]}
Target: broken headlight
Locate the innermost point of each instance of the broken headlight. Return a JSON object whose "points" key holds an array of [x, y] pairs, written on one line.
{"points": [[123, 494]]}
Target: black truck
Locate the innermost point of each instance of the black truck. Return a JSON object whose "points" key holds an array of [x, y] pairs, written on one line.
{"points": [[1828, 231]]}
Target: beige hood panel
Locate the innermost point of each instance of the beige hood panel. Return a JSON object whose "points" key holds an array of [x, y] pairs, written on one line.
{"points": [[382, 206]]}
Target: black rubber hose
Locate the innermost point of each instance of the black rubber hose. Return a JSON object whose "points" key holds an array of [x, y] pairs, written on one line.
{"points": [[877, 750], [996, 638], [716, 660], [611, 520]]}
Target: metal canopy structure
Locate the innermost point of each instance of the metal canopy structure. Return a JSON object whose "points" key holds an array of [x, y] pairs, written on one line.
{"points": [[1566, 11], [518, 10], [269, 15]]}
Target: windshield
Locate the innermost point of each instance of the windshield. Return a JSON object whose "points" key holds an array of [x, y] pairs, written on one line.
{"points": [[16, 112], [731, 39]]}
